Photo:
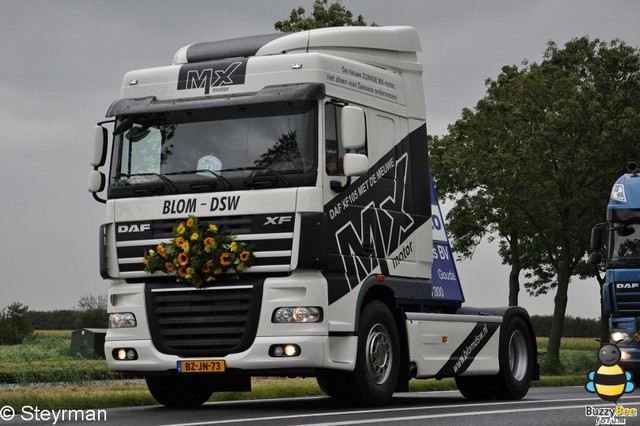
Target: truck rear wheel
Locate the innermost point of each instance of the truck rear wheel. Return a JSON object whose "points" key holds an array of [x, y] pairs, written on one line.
{"points": [[516, 359], [476, 387], [180, 391]]}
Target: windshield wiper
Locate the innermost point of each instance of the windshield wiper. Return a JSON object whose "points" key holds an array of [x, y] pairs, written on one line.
{"points": [[163, 178], [212, 185], [263, 179]]}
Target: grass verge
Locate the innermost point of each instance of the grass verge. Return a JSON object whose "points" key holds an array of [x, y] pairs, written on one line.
{"points": [[46, 359]]}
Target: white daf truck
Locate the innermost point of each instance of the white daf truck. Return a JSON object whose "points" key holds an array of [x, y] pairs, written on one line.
{"points": [[312, 148]]}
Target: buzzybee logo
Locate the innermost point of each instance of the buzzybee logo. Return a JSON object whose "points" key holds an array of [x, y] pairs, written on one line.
{"points": [[610, 381]]}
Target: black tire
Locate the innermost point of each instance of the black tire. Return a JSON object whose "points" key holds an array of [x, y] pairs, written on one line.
{"points": [[375, 376], [516, 360], [337, 384], [477, 387], [186, 391], [378, 360]]}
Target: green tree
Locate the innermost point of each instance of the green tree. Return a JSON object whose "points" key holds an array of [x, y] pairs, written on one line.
{"points": [[324, 15], [92, 312], [14, 324], [537, 158]]}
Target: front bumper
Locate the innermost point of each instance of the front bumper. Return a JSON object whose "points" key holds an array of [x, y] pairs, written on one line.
{"points": [[253, 355], [312, 355]]}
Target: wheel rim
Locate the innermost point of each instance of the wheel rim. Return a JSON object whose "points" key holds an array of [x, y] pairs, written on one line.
{"points": [[518, 355], [379, 354]]}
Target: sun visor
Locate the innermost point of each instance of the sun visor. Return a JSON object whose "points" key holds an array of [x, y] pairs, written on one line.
{"points": [[289, 93]]}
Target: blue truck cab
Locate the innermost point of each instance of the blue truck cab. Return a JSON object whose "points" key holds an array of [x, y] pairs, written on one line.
{"points": [[621, 288]]}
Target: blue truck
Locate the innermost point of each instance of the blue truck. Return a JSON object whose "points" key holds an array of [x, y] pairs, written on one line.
{"points": [[621, 281]]}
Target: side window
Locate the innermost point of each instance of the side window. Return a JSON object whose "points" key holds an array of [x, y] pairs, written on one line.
{"points": [[334, 151]]}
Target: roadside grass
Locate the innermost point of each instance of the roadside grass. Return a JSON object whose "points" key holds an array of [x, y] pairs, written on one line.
{"points": [[46, 358], [37, 368], [578, 356]]}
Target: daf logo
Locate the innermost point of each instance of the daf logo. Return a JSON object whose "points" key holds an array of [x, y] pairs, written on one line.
{"points": [[126, 229], [628, 286], [277, 220]]}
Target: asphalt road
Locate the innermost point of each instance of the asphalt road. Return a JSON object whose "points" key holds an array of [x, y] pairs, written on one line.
{"points": [[542, 406]]}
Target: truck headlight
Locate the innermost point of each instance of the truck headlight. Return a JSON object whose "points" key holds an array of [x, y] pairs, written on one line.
{"points": [[617, 336], [297, 314], [122, 320]]}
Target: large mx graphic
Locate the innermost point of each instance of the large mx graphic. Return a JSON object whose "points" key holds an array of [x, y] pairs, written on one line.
{"points": [[380, 228], [198, 78]]}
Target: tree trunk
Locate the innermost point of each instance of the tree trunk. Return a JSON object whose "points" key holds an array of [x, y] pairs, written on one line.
{"points": [[514, 285], [559, 310], [514, 274]]}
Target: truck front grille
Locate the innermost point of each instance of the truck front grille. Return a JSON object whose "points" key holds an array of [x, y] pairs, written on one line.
{"points": [[273, 245], [628, 302], [214, 321]]}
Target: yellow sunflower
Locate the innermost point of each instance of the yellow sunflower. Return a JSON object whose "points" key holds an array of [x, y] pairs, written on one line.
{"points": [[209, 244], [183, 259], [225, 259], [244, 256], [162, 251], [191, 222]]}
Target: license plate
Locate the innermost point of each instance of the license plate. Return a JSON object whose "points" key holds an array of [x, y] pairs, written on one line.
{"points": [[201, 366]]}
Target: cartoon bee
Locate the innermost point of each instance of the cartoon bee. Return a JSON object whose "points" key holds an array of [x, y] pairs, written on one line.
{"points": [[610, 381]]}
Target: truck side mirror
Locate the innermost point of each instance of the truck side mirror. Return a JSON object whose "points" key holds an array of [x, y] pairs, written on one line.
{"points": [[99, 146], [97, 179], [352, 127], [96, 182], [596, 238], [355, 164], [595, 257]]}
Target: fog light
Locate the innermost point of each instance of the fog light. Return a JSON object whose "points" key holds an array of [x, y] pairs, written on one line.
{"points": [[624, 355], [291, 350], [122, 320], [297, 314], [284, 350], [125, 354]]}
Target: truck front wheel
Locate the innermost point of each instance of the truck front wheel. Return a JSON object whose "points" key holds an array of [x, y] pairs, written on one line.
{"points": [[180, 391], [378, 360]]}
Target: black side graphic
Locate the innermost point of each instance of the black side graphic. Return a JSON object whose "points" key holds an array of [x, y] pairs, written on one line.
{"points": [[464, 354], [376, 214]]}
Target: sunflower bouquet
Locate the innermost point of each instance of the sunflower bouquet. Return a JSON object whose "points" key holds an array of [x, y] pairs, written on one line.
{"points": [[198, 254]]}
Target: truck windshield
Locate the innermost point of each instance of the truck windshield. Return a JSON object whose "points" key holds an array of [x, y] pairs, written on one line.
{"points": [[212, 150], [625, 243]]}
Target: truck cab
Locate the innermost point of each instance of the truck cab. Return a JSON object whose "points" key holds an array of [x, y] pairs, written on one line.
{"points": [[621, 288]]}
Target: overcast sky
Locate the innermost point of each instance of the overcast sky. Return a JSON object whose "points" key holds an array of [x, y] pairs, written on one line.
{"points": [[61, 67]]}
